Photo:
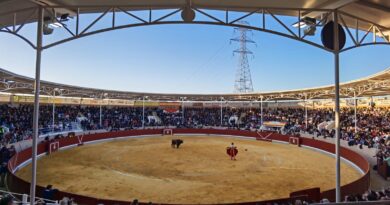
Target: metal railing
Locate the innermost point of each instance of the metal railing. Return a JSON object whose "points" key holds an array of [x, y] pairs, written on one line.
{"points": [[24, 198], [69, 127], [356, 203]]}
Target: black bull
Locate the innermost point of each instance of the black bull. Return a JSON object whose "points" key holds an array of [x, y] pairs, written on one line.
{"points": [[176, 143]]}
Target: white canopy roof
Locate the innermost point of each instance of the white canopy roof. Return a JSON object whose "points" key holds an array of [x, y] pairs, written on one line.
{"points": [[374, 85]]}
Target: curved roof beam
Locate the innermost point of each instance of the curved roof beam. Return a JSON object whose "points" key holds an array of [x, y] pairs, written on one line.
{"points": [[13, 13], [377, 84]]}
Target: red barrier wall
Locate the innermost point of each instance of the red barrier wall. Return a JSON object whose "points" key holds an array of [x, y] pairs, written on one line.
{"points": [[16, 184]]}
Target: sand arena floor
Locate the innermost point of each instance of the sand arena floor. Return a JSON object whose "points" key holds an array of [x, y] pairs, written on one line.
{"points": [[199, 172]]}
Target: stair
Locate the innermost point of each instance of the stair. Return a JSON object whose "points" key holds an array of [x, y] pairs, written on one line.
{"points": [[240, 119], [158, 119]]}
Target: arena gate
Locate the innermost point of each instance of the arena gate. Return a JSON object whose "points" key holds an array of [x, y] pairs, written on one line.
{"points": [[167, 132], [295, 140]]}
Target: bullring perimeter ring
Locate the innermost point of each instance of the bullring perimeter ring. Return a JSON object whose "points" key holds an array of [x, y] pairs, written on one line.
{"points": [[199, 172]]}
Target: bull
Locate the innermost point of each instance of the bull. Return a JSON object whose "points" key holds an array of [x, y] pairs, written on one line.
{"points": [[176, 143]]}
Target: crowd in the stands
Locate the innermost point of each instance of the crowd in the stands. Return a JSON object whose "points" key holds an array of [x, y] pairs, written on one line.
{"points": [[370, 196], [16, 121], [373, 123]]}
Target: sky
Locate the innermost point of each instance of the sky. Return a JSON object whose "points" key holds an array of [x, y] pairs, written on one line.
{"points": [[185, 59]]}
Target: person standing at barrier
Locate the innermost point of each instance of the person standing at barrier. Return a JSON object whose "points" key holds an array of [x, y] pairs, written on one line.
{"points": [[49, 192], [387, 161], [135, 202], [7, 200], [3, 173]]}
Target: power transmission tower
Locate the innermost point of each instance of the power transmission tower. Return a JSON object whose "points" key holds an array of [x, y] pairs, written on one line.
{"points": [[243, 81]]}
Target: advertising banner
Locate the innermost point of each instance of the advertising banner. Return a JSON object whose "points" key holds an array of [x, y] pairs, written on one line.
{"points": [[5, 98], [23, 99], [197, 105], [120, 102], [45, 100], [170, 106], [147, 104], [68, 101], [214, 104]]}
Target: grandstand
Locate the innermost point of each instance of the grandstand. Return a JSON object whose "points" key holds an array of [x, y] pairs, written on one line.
{"points": [[305, 146]]}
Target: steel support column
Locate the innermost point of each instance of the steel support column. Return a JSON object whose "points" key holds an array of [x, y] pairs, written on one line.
{"points": [[306, 112], [100, 115], [182, 114], [337, 101], [221, 111], [143, 112], [261, 111], [37, 87], [355, 110], [53, 111]]}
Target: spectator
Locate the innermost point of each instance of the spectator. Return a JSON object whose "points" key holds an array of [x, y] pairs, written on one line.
{"points": [[49, 192], [3, 173], [135, 202], [7, 200]]}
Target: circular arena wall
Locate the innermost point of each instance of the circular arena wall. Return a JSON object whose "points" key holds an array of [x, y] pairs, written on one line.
{"points": [[360, 185]]}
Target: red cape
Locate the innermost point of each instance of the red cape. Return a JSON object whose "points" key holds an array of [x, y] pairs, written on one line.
{"points": [[232, 152]]}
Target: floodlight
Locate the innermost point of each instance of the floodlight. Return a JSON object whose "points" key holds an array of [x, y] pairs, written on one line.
{"points": [[304, 22], [299, 24], [310, 31], [64, 17], [50, 23], [56, 25], [307, 22], [46, 29]]}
